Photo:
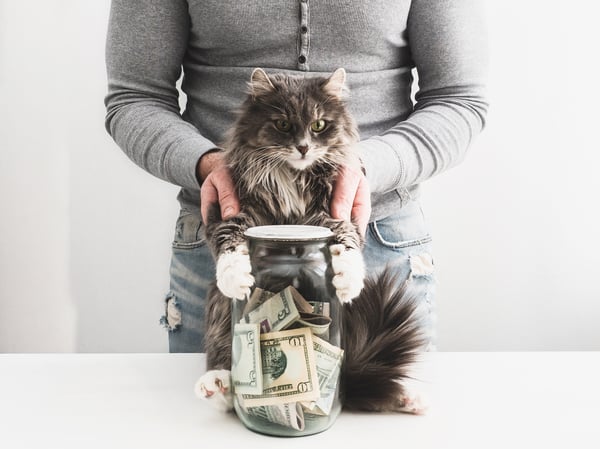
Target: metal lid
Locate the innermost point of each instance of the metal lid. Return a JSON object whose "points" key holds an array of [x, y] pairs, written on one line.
{"points": [[296, 233]]}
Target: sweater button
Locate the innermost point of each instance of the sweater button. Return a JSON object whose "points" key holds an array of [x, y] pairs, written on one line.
{"points": [[304, 29], [302, 59]]}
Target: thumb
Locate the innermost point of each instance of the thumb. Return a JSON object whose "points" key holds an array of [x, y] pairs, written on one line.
{"points": [[361, 207], [351, 199], [343, 194]]}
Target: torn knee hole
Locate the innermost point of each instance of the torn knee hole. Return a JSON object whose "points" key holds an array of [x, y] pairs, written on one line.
{"points": [[421, 265], [172, 318]]}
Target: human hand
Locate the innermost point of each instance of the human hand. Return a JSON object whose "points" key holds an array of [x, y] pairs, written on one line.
{"points": [[351, 198], [217, 186]]}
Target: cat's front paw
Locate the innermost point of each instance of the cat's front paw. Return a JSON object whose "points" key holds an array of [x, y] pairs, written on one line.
{"points": [[349, 271], [414, 403], [215, 387], [233, 273]]}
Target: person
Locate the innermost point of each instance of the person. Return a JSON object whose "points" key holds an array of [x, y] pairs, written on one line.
{"points": [[217, 44]]}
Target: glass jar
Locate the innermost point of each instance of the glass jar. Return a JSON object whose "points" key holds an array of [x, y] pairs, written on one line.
{"points": [[286, 337]]}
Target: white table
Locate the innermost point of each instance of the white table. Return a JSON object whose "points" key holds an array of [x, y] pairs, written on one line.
{"points": [[478, 400]]}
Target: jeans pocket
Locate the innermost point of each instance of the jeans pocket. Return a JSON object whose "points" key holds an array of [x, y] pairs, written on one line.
{"points": [[189, 231], [401, 230]]}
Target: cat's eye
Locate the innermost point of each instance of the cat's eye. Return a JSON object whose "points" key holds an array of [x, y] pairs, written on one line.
{"points": [[283, 125], [318, 125]]}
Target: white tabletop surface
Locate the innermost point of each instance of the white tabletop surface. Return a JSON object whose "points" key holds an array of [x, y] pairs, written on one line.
{"points": [[478, 400]]}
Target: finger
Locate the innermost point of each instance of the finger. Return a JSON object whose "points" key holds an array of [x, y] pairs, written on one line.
{"points": [[228, 200], [219, 187], [344, 192], [208, 196], [361, 208]]}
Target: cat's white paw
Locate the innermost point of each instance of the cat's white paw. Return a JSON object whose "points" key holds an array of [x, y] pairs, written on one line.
{"points": [[233, 273], [349, 271], [415, 403], [215, 387]]}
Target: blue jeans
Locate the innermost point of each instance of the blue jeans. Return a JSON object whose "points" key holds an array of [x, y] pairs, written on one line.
{"points": [[400, 241]]}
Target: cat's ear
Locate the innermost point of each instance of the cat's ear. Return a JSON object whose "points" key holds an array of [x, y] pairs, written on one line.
{"points": [[335, 83], [260, 83]]}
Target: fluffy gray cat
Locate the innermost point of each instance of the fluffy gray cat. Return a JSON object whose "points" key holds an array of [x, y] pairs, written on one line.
{"points": [[292, 136]]}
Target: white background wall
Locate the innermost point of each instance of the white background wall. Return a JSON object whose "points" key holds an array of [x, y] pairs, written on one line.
{"points": [[85, 234]]}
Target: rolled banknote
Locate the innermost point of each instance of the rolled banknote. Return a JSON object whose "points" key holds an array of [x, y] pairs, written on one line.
{"points": [[329, 362], [301, 304], [318, 324], [289, 369], [276, 313], [288, 415], [246, 365]]}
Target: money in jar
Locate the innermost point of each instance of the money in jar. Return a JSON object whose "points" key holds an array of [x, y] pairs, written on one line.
{"points": [[286, 336]]}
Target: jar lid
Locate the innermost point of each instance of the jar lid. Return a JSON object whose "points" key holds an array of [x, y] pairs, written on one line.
{"points": [[296, 233]]}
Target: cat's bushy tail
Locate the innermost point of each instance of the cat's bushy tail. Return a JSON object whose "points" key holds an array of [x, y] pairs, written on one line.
{"points": [[383, 337]]}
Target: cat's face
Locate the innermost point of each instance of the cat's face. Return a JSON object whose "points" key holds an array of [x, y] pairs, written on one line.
{"points": [[297, 122], [301, 138]]}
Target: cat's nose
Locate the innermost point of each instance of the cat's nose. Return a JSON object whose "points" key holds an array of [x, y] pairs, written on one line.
{"points": [[302, 148]]}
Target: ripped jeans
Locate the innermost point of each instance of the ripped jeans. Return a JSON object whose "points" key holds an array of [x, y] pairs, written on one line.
{"points": [[400, 241]]}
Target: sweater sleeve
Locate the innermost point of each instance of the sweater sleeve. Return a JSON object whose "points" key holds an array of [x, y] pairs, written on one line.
{"points": [[145, 46], [447, 39]]}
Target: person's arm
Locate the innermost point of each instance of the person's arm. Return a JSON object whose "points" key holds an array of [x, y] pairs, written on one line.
{"points": [[145, 46], [448, 43]]}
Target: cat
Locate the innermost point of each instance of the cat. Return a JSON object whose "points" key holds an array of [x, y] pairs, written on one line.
{"points": [[291, 138]]}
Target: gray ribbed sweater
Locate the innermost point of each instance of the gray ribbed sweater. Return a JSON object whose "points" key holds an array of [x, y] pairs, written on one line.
{"points": [[217, 43]]}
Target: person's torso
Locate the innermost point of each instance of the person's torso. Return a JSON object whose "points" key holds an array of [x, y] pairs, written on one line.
{"points": [[229, 38]]}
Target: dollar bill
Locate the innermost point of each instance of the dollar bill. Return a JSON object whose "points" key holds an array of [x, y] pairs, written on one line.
{"points": [[276, 313], [257, 297], [288, 415], [246, 366], [301, 304], [329, 361], [289, 369], [321, 308]]}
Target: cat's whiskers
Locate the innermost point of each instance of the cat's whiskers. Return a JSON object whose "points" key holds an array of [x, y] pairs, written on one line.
{"points": [[334, 160], [268, 174]]}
